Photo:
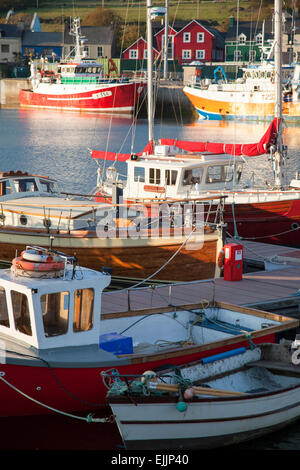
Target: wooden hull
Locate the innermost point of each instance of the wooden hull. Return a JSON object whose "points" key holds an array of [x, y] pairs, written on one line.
{"points": [[137, 258], [207, 423], [241, 396]]}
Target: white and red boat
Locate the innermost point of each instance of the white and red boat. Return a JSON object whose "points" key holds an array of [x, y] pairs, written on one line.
{"points": [[171, 169], [80, 85], [54, 341]]}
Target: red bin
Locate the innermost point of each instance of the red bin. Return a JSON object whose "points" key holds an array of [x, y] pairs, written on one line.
{"points": [[233, 262]]}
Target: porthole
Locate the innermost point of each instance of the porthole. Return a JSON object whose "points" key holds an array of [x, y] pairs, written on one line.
{"points": [[23, 219], [295, 226]]}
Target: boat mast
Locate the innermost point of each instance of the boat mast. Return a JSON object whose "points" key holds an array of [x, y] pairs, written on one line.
{"points": [[150, 72], [279, 159], [75, 31]]}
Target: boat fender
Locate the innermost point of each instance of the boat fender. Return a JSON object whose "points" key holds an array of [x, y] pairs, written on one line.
{"points": [[220, 259], [296, 357], [189, 393], [181, 406], [148, 375]]}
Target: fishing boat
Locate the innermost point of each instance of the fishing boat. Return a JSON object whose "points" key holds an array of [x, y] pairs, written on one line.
{"points": [[221, 400], [251, 97], [81, 85], [55, 342], [168, 169]]}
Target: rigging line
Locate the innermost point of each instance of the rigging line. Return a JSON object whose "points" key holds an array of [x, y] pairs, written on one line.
{"points": [[164, 265], [88, 419]]}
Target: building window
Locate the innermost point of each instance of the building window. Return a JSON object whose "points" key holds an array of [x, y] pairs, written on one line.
{"points": [[186, 37], [133, 54], [145, 54], [242, 39], [200, 54], [252, 56], [100, 51], [200, 37], [4, 47], [186, 54], [237, 55], [86, 51], [259, 39], [55, 311], [21, 312]]}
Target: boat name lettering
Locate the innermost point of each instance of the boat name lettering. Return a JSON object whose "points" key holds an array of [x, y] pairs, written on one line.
{"points": [[102, 94]]}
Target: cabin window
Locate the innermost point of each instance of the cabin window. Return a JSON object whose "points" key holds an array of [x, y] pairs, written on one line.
{"points": [[5, 188], [20, 308], [139, 174], [4, 320], [55, 311], [25, 185], [47, 186], [83, 310], [192, 176], [219, 174], [171, 177], [154, 176]]}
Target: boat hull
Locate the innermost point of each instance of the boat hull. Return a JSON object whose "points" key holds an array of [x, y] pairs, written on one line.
{"points": [[34, 386], [207, 423], [119, 97], [275, 222], [128, 257], [246, 105]]}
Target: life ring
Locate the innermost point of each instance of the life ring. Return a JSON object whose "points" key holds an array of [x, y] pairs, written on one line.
{"points": [[39, 256], [220, 259], [42, 267]]}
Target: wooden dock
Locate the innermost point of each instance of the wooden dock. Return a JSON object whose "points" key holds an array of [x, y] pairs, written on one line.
{"points": [[276, 289]]}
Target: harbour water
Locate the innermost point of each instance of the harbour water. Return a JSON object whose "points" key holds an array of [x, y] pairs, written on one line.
{"points": [[58, 144]]}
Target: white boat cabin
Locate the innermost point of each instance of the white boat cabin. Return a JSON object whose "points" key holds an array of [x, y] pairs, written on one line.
{"points": [[15, 184], [52, 313], [172, 175]]}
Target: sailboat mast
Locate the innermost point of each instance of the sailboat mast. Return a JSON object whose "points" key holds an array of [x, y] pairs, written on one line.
{"points": [[150, 71], [279, 159]]}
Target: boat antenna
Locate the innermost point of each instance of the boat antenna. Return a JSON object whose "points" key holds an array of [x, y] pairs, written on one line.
{"points": [[279, 157]]}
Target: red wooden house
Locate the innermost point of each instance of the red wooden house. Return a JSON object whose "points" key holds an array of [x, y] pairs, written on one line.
{"points": [[186, 43], [138, 50]]}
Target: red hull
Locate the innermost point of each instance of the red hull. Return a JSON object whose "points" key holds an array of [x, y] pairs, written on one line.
{"points": [[119, 98], [270, 222], [72, 390]]}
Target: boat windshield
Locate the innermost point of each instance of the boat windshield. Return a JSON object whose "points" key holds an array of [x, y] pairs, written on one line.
{"points": [[24, 185]]}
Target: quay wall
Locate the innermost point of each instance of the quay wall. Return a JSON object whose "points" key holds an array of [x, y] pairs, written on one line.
{"points": [[170, 100]]}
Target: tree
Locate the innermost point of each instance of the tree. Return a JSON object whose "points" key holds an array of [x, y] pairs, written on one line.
{"points": [[105, 17]]}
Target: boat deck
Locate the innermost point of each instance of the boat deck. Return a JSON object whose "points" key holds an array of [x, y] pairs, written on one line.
{"points": [[277, 289]]}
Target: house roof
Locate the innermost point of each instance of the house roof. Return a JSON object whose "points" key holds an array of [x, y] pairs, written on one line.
{"points": [[10, 31], [42, 39], [249, 28], [93, 34]]}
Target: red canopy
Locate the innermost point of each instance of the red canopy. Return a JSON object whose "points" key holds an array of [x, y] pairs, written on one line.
{"points": [[248, 150]]}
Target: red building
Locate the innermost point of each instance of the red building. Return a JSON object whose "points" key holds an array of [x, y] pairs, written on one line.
{"points": [[138, 50], [186, 43]]}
